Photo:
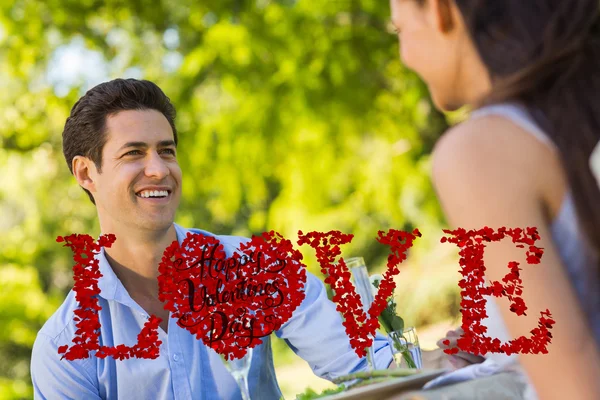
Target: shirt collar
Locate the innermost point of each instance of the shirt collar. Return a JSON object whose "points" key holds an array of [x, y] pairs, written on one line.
{"points": [[110, 286]]}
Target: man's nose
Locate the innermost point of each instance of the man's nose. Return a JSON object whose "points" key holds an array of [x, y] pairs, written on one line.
{"points": [[156, 166]]}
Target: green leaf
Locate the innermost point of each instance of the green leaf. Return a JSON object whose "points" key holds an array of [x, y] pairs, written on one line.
{"points": [[397, 323], [386, 318]]}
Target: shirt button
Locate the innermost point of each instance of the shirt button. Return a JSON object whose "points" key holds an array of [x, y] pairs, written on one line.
{"points": [[175, 357]]}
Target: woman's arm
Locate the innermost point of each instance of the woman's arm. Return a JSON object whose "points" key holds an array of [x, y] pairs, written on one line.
{"points": [[489, 172]]}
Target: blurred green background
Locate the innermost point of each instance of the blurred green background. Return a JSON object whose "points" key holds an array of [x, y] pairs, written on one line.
{"points": [[292, 115]]}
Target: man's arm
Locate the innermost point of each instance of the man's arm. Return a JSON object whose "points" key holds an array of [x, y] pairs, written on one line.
{"points": [[54, 378], [315, 332]]}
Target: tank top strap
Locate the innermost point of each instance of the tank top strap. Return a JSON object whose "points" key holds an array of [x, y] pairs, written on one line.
{"points": [[518, 114]]}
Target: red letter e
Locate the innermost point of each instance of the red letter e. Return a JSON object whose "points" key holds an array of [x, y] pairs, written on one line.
{"points": [[473, 289]]}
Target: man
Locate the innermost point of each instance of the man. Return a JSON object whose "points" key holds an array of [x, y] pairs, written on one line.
{"points": [[120, 143]]}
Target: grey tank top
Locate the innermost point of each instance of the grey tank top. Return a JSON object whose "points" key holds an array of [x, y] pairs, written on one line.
{"points": [[574, 248]]}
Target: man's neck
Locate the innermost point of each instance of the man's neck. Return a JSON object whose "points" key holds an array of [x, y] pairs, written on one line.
{"points": [[135, 256]]}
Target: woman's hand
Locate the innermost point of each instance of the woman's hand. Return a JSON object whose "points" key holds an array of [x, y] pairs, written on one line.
{"points": [[460, 359]]}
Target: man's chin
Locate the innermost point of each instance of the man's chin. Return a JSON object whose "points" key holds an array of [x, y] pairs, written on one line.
{"points": [[155, 224]]}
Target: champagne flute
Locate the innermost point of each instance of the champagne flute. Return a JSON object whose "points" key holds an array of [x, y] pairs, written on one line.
{"points": [[405, 348], [239, 369], [362, 283]]}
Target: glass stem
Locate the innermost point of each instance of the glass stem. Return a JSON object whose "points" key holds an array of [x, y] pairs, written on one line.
{"points": [[243, 384], [371, 358]]}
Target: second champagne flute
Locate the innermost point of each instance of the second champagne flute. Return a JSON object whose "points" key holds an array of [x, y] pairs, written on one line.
{"points": [[239, 369], [362, 283]]}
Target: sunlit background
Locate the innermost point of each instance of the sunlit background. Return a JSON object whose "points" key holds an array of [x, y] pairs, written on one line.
{"points": [[292, 115]]}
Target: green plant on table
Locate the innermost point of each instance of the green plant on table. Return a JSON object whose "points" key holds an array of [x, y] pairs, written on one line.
{"points": [[355, 380], [390, 321], [310, 394]]}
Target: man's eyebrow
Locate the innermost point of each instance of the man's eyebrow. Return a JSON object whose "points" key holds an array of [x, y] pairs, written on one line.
{"points": [[162, 143], [166, 143]]}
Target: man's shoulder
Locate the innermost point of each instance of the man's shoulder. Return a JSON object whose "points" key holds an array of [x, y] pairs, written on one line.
{"points": [[53, 377], [61, 323]]}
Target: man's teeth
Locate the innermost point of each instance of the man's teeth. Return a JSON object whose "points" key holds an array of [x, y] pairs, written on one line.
{"points": [[153, 193]]}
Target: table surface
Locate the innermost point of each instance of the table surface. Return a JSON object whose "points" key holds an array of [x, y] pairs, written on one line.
{"points": [[380, 390]]}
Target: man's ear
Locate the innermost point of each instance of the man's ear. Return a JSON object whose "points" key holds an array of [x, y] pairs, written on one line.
{"points": [[443, 14], [84, 171]]}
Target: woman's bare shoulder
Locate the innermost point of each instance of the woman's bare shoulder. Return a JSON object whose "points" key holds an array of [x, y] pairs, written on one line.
{"points": [[493, 161], [492, 136], [493, 150]]}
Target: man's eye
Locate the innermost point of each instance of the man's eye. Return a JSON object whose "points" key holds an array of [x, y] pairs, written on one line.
{"points": [[133, 151], [171, 150]]}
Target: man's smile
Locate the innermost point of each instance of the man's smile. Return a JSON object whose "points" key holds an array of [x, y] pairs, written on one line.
{"points": [[156, 195]]}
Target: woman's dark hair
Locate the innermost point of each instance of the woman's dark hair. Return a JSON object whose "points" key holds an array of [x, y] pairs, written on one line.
{"points": [[545, 54], [85, 129]]}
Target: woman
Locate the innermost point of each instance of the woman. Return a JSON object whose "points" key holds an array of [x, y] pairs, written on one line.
{"points": [[531, 70]]}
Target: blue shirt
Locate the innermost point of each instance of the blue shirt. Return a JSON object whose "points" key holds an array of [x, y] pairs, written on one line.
{"points": [[186, 369]]}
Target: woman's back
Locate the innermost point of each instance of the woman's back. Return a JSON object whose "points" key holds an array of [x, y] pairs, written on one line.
{"points": [[571, 242], [510, 175], [574, 248]]}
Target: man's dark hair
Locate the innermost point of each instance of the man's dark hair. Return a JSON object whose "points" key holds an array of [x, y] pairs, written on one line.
{"points": [[85, 129]]}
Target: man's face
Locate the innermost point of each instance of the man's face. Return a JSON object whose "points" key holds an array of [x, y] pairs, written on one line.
{"points": [[138, 160]]}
